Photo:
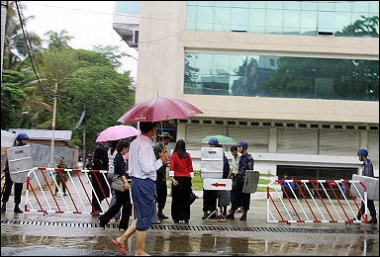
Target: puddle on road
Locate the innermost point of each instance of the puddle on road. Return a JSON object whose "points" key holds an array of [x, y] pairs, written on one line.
{"points": [[186, 245]]}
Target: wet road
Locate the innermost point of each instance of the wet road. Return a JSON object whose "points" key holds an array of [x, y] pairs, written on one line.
{"points": [[36, 234]]}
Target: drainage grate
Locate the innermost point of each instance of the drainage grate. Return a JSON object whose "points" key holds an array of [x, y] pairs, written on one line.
{"points": [[197, 228]]}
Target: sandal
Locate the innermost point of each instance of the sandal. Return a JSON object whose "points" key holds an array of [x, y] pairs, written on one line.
{"points": [[120, 248]]}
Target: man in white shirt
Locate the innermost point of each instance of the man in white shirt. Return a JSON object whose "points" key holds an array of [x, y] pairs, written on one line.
{"points": [[142, 167]]}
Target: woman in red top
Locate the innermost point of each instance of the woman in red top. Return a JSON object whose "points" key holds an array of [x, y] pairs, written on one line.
{"points": [[181, 164]]}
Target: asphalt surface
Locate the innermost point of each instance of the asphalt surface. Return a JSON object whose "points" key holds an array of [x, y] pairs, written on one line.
{"points": [[34, 233]]}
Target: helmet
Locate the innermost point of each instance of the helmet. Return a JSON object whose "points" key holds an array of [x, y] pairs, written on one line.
{"points": [[243, 144], [213, 141], [363, 152], [22, 136]]}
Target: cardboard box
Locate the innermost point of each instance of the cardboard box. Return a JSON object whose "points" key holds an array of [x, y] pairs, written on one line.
{"points": [[372, 185]]}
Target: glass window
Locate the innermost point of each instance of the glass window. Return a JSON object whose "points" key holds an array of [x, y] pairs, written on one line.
{"points": [[361, 7], [343, 7], [274, 19], [326, 22], [308, 23], [257, 20], [222, 19], [292, 5], [205, 19], [128, 7], [325, 6], [283, 17], [292, 21], [258, 4], [239, 19], [281, 76]]}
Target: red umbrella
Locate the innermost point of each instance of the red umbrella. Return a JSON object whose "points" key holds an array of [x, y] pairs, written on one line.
{"points": [[116, 132], [159, 109]]}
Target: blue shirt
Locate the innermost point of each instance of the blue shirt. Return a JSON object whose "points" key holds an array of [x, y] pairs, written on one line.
{"points": [[367, 168]]}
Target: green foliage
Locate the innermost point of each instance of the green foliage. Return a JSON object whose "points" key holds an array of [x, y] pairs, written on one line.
{"points": [[102, 92], [84, 79], [12, 98], [365, 26], [197, 181]]}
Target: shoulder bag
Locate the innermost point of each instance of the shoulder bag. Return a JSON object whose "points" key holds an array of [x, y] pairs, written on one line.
{"points": [[117, 183]]}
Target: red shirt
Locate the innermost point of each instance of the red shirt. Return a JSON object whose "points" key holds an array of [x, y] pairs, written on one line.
{"points": [[181, 167]]}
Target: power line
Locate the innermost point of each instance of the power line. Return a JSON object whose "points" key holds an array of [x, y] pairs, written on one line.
{"points": [[27, 40]]}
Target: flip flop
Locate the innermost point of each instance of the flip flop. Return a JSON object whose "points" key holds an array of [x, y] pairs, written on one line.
{"points": [[119, 247]]}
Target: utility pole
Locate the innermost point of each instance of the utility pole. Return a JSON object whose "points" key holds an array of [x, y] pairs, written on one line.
{"points": [[53, 127], [4, 6], [84, 138]]}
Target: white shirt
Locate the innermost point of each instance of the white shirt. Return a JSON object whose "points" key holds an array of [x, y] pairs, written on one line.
{"points": [[235, 164], [142, 162], [111, 157]]}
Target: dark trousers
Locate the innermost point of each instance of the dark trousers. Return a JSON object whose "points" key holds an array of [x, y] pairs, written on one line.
{"points": [[371, 208], [123, 200], [8, 188], [162, 193], [240, 198], [101, 190], [209, 200], [180, 208]]}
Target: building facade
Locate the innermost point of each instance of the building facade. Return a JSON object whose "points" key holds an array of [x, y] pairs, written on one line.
{"points": [[298, 80]]}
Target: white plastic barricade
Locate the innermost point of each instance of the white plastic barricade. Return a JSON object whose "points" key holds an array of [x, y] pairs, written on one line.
{"points": [[211, 162], [20, 162], [372, 185], [41, 196], [316, 201]]}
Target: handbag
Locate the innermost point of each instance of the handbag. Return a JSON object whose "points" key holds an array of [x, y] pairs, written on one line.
{"points": [[117, 183], [251, 180], [193, 197]]}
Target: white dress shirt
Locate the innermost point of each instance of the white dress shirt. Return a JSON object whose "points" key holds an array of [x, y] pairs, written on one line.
{"points": [[142, 162]]}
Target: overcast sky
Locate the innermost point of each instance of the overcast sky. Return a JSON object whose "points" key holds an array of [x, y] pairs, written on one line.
{"points": [[90, 23]]}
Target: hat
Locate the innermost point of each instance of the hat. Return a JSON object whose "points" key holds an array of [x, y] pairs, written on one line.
{"points": [[22, 136], [243, 144], [213, 141], [363, 152], [165, 135]]}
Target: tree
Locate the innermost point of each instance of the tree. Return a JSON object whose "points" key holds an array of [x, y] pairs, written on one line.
{"points": [[12, 99], [18, 43], [102, 92], [86, 79], [58, 41]]}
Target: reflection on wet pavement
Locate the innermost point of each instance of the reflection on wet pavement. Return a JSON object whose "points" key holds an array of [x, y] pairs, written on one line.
{"points": [[163, 243]]}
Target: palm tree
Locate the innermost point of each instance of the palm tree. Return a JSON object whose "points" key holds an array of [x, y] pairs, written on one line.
{"points": [[18, 43], [58, 41]]}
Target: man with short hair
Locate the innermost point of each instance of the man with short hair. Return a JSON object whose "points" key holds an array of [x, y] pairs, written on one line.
{"points": [[245, 163], [142, 167]]}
